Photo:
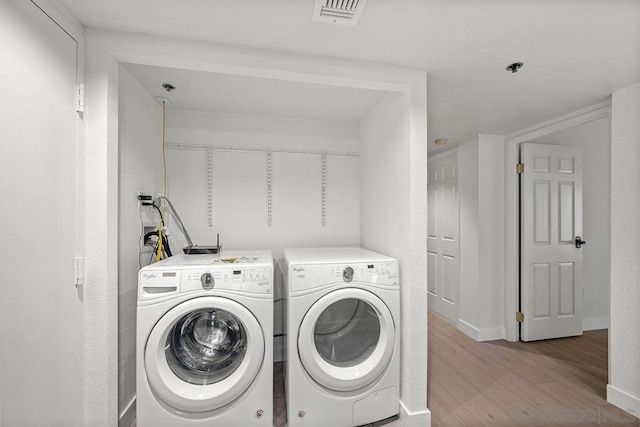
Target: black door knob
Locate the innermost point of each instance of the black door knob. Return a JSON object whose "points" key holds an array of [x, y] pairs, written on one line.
{"points": [[580, 242]]}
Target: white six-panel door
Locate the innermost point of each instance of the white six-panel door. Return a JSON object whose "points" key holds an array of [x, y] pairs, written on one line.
{"points": [[443, 236], [551, 264], [38, 194]]}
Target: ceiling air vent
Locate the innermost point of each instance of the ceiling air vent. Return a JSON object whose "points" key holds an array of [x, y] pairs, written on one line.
{"points": [[338, 11]]}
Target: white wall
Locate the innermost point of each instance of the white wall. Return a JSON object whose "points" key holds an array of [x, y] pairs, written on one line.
{"points": [[468, 190], [240, 181], [101, 240], [624, 333], [594, 139], [491, 235], [140, 155], [481, 188], [104, 50], [240, 186], [391, 163], [384, 150]]}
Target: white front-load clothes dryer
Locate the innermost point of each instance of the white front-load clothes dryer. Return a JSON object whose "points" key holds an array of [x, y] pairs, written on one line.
{"points": [[204, 352], [342, 336]]}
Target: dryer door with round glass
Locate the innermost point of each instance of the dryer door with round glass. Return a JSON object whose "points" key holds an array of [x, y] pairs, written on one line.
{"points": [[204, 353], [346, 339]]}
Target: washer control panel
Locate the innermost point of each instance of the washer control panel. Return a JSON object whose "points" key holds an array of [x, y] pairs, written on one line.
{"points": [[252, 279]]}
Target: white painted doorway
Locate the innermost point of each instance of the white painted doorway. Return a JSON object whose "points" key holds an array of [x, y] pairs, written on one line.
{"points": [[551, 289], [443, 230], [38, 383]]}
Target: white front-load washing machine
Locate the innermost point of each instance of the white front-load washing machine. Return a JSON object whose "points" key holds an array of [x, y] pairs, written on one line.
{"points": [[342, 336], [205, 341]]}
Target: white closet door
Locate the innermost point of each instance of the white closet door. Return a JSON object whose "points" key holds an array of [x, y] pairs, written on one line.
{"points": [[551, 219], [443, 229], [38, 194]]}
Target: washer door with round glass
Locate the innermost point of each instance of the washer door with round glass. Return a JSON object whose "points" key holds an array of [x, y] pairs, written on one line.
{"points": [[204, 353], [346, 339]]}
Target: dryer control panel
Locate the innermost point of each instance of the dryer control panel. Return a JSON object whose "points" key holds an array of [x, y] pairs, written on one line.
{"points": [[311, 276], [248, 279]]}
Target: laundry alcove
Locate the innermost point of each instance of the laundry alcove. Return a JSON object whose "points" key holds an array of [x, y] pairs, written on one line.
{"points": [[249, 158], [230, 138]]}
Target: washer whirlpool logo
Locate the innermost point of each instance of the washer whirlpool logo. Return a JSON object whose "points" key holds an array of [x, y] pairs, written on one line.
{"points": [[148, 275]]}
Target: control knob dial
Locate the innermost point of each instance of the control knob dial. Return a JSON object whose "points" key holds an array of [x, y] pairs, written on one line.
{"points": [[347, 274], [207, 281]]}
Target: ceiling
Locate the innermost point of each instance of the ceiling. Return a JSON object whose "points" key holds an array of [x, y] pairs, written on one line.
{"points": [[576, 52], [232, 94]]}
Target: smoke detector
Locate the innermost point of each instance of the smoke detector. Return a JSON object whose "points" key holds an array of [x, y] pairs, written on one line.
{"points": [[345, 12]]}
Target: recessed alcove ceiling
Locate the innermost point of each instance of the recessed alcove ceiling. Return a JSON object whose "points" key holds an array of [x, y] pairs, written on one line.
{"points": [[233, 94], [575, 52]]}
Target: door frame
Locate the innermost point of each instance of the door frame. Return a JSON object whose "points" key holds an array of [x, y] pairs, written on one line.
{"points": [[512, 201]]}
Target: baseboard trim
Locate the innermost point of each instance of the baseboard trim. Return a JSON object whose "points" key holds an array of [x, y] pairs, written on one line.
{"points": [[595, 323], [480, 335], [128, 415], [624, 401], [468, 329], [414, 419]]}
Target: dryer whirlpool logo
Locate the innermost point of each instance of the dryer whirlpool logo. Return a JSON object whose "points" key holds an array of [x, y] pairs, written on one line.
{"points": [[148, 275], [299, 272]]}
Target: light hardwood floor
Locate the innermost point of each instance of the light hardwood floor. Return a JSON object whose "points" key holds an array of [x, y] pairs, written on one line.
{"points": [[559, 382], [546, 383]]}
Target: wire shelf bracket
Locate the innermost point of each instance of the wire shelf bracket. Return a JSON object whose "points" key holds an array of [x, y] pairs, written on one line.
{"points": [[269, 190], [324, 190], [210, 186]]}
